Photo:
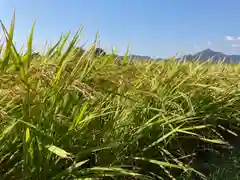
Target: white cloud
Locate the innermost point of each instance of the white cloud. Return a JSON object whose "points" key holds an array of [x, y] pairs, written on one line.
{"points": [[235, 45], [238, 38], [209, 42], [229, 38]]}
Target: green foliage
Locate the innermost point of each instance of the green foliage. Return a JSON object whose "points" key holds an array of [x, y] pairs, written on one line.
{"points": [[73, 115], [99, 52], [229, 169]]}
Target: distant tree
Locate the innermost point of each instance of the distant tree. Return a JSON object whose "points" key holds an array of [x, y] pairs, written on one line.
{"points": [[78, 52], [36, 55], [100, 51]]}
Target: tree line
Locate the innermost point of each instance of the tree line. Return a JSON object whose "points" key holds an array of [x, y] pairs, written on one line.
{"points": [[78, 51]]}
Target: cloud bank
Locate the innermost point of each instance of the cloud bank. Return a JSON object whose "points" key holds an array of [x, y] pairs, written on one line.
{"points": [[232, 38], [229, 38]]}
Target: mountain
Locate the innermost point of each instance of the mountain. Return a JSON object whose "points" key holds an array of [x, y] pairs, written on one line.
{"points": [[200, 56], [215, 56], [133, 56]]}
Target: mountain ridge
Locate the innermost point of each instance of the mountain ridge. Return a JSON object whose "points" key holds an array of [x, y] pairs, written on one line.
{"points": [[213, 55], [204, 55]]}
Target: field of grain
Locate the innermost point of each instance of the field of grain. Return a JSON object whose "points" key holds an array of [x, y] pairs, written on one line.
{"points": [[70, 115]]}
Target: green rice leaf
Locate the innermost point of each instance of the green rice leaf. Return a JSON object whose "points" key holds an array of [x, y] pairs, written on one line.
{"points": [[58, 151], [115, 169], [64, 41], [79, 117], [29, 47], [125, 58], [8, 129], [161, 163], [215, 141], [27, 135], [9, 37], [162, 138]]}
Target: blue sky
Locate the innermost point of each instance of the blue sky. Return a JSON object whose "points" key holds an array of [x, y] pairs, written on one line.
{"points": [[158, 28]]}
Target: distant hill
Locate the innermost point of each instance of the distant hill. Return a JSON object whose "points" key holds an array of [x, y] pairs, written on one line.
{"points": [[201, 56], [215, 56]]}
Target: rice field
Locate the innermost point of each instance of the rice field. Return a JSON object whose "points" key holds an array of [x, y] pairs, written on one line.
{"points": [[70, 115]]}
